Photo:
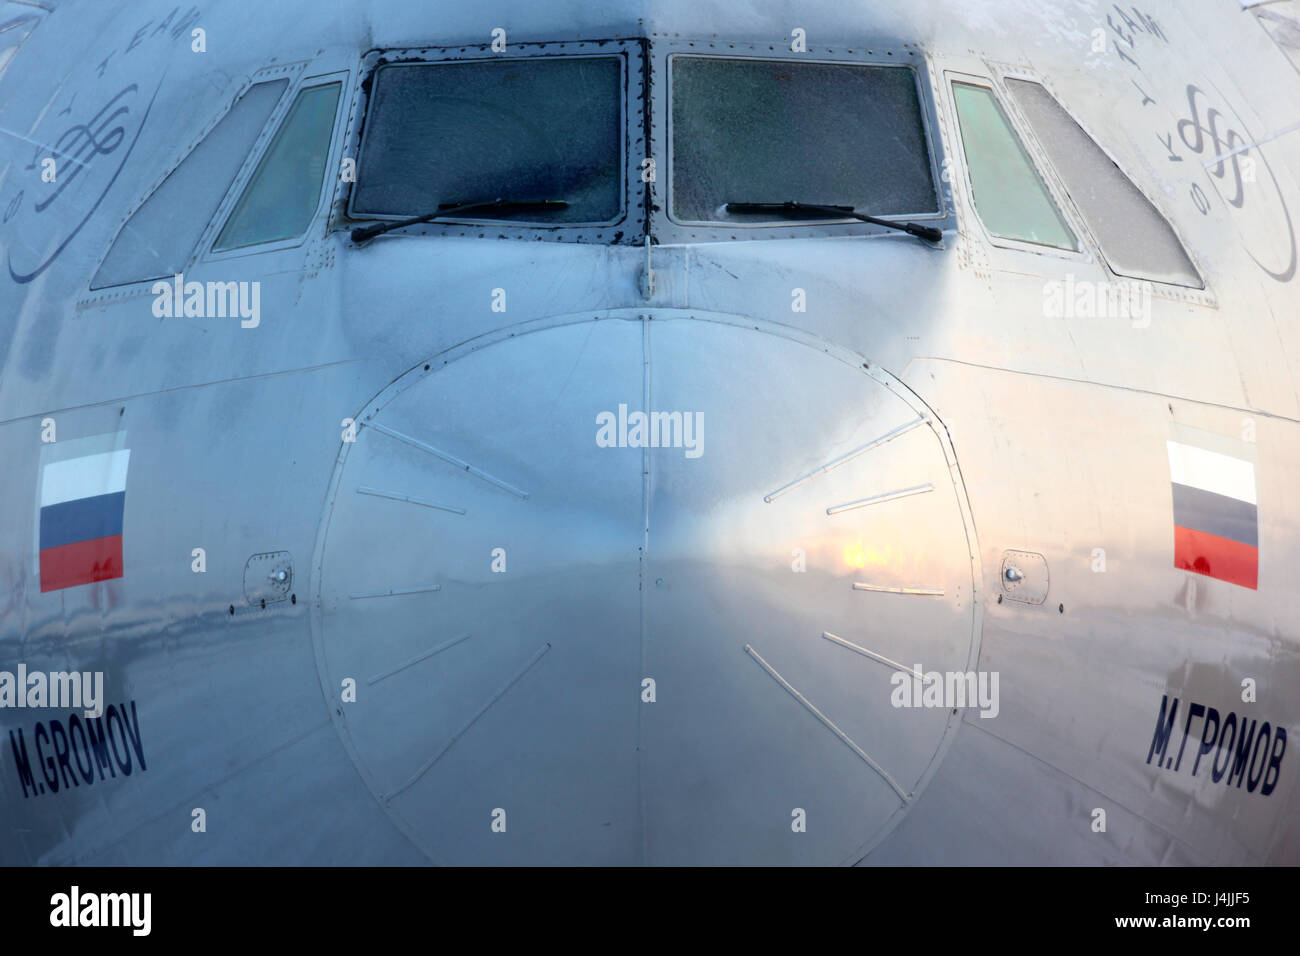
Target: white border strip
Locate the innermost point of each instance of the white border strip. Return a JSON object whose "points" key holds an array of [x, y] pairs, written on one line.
{"points": [[1211, 471]]}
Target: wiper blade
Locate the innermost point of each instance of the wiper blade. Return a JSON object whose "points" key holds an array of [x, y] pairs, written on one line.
{"points": [[928, 233], [363, 233]]}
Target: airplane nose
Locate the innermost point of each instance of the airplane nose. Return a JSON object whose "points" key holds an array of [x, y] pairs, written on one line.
{"points": [[638, 590]]}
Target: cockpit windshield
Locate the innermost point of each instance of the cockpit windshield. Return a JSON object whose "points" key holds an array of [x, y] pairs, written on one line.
{"points": [[761, 131], [472, 131]]}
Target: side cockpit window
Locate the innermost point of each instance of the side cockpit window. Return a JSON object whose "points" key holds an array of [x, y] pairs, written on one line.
{"points": [[283, 194], [1134, 237], [160, 236], [1010, 197]]}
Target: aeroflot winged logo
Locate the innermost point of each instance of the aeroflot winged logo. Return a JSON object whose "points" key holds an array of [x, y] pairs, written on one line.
{"points": [[82, 498], [1216, 522]]}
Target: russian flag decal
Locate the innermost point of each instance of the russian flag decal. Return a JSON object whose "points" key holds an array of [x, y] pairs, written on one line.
{"points": [[1216, 520], [82, 498]]}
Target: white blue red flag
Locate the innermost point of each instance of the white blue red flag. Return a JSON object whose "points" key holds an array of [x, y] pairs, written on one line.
{"points": [[1216, 520], [82, 503]]}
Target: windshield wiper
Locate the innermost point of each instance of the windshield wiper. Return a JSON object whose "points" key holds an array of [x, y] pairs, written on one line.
{"points": [[928, 233], [364, 233]]}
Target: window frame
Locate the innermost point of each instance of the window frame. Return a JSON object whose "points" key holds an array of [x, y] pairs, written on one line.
{"points": [[667, 229], [333, 163], [1085, 251], [632, 57]]}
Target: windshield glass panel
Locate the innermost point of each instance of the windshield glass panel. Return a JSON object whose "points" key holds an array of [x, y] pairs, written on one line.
{"points": [[471, 131], [770, 131], [1009, 193], [1134, 236], [158, 238], [280, 200]]}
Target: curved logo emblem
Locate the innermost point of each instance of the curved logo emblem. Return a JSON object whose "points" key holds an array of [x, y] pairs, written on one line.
{"points": [[1221, 148], [89, 153]]}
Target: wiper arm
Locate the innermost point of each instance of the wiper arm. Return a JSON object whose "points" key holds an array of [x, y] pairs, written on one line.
{"points": [[363, 233], [928, 233]]}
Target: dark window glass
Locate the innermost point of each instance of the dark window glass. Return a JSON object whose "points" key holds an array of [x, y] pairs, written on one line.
{"points": [[771, 131], [541, 128]]}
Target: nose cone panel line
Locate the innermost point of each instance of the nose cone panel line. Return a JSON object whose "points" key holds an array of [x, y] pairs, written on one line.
{"points": [[627, 663]]}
